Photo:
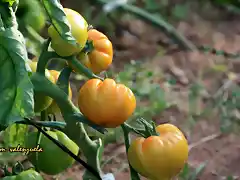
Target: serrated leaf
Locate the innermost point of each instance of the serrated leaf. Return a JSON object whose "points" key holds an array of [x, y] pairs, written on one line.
{"points": [[16, 89], [59, 20], [14, 135]]}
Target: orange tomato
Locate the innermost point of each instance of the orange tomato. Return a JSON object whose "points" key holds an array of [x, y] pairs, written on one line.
{"points": [[101, 57], [106, 103], [159, 157]]}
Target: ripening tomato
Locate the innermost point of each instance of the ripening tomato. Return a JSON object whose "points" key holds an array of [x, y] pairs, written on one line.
{"points": [[106, 103], [101, 57], [159, 157], [41, 101], [79, 31], [52, 160], [53, 108]]}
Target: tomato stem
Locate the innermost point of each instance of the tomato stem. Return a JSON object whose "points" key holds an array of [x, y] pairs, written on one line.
{"points": [[74, 119], [81, 68], [134, 174], [65, 149], [69, 111], [55, 125], [43, 58]]}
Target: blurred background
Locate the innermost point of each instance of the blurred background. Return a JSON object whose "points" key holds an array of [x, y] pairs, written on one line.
{"points": [[195, 90]]}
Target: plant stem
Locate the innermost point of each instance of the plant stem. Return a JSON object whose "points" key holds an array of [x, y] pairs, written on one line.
{"points": [[134, 174], [51, 124], [74, 119], [69, 111], [43, 58], [65, 149], [81, 68]]}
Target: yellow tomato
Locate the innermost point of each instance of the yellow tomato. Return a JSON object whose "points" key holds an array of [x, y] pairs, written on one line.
{"points": [[101, 57], [79, 32], [106, 103], [159, 157]]}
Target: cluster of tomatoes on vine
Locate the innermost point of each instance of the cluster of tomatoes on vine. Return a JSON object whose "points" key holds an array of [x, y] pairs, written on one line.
{"points": [[106, 103]]}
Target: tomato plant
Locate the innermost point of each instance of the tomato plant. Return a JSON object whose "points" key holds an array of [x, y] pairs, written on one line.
{"points": [[119, 102], [29, 91], [78, 29], [159, 157], [100, 58], [52, 160]]}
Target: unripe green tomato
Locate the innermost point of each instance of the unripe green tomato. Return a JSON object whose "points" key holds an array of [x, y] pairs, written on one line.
{"points": [[29, 174], [31, 13], [41, 101], [52, 160], [79, 30]]}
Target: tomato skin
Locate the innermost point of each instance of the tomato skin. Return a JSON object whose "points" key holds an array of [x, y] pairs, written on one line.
{"points": [[78, 29], [159, 157], [106, 103], [53, 108], [101, 57], [29, 174], [41, 101], [52, 160]]}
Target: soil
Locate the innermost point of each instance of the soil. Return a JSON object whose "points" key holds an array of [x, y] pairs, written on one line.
{"points": [[207, 143]]}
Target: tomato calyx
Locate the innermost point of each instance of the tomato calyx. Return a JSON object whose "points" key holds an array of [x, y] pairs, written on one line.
{"points": [[89, 47], [150, 127]]}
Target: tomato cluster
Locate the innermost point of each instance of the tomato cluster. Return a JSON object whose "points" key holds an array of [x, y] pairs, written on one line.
{"points": [[105, 103]]}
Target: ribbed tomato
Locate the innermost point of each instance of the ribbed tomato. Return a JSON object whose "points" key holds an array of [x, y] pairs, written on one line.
{"points": [[159, 157], [106, 103]]}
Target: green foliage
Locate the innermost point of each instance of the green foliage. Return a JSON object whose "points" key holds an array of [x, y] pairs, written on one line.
{"points": [[14, 135], [59, 20], [31, 13], [11, 2], [16, 87]]}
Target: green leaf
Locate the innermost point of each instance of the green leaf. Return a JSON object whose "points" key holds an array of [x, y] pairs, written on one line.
{"points": [[14, 135], [59, 20], [9, 1], [16, 89]]}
